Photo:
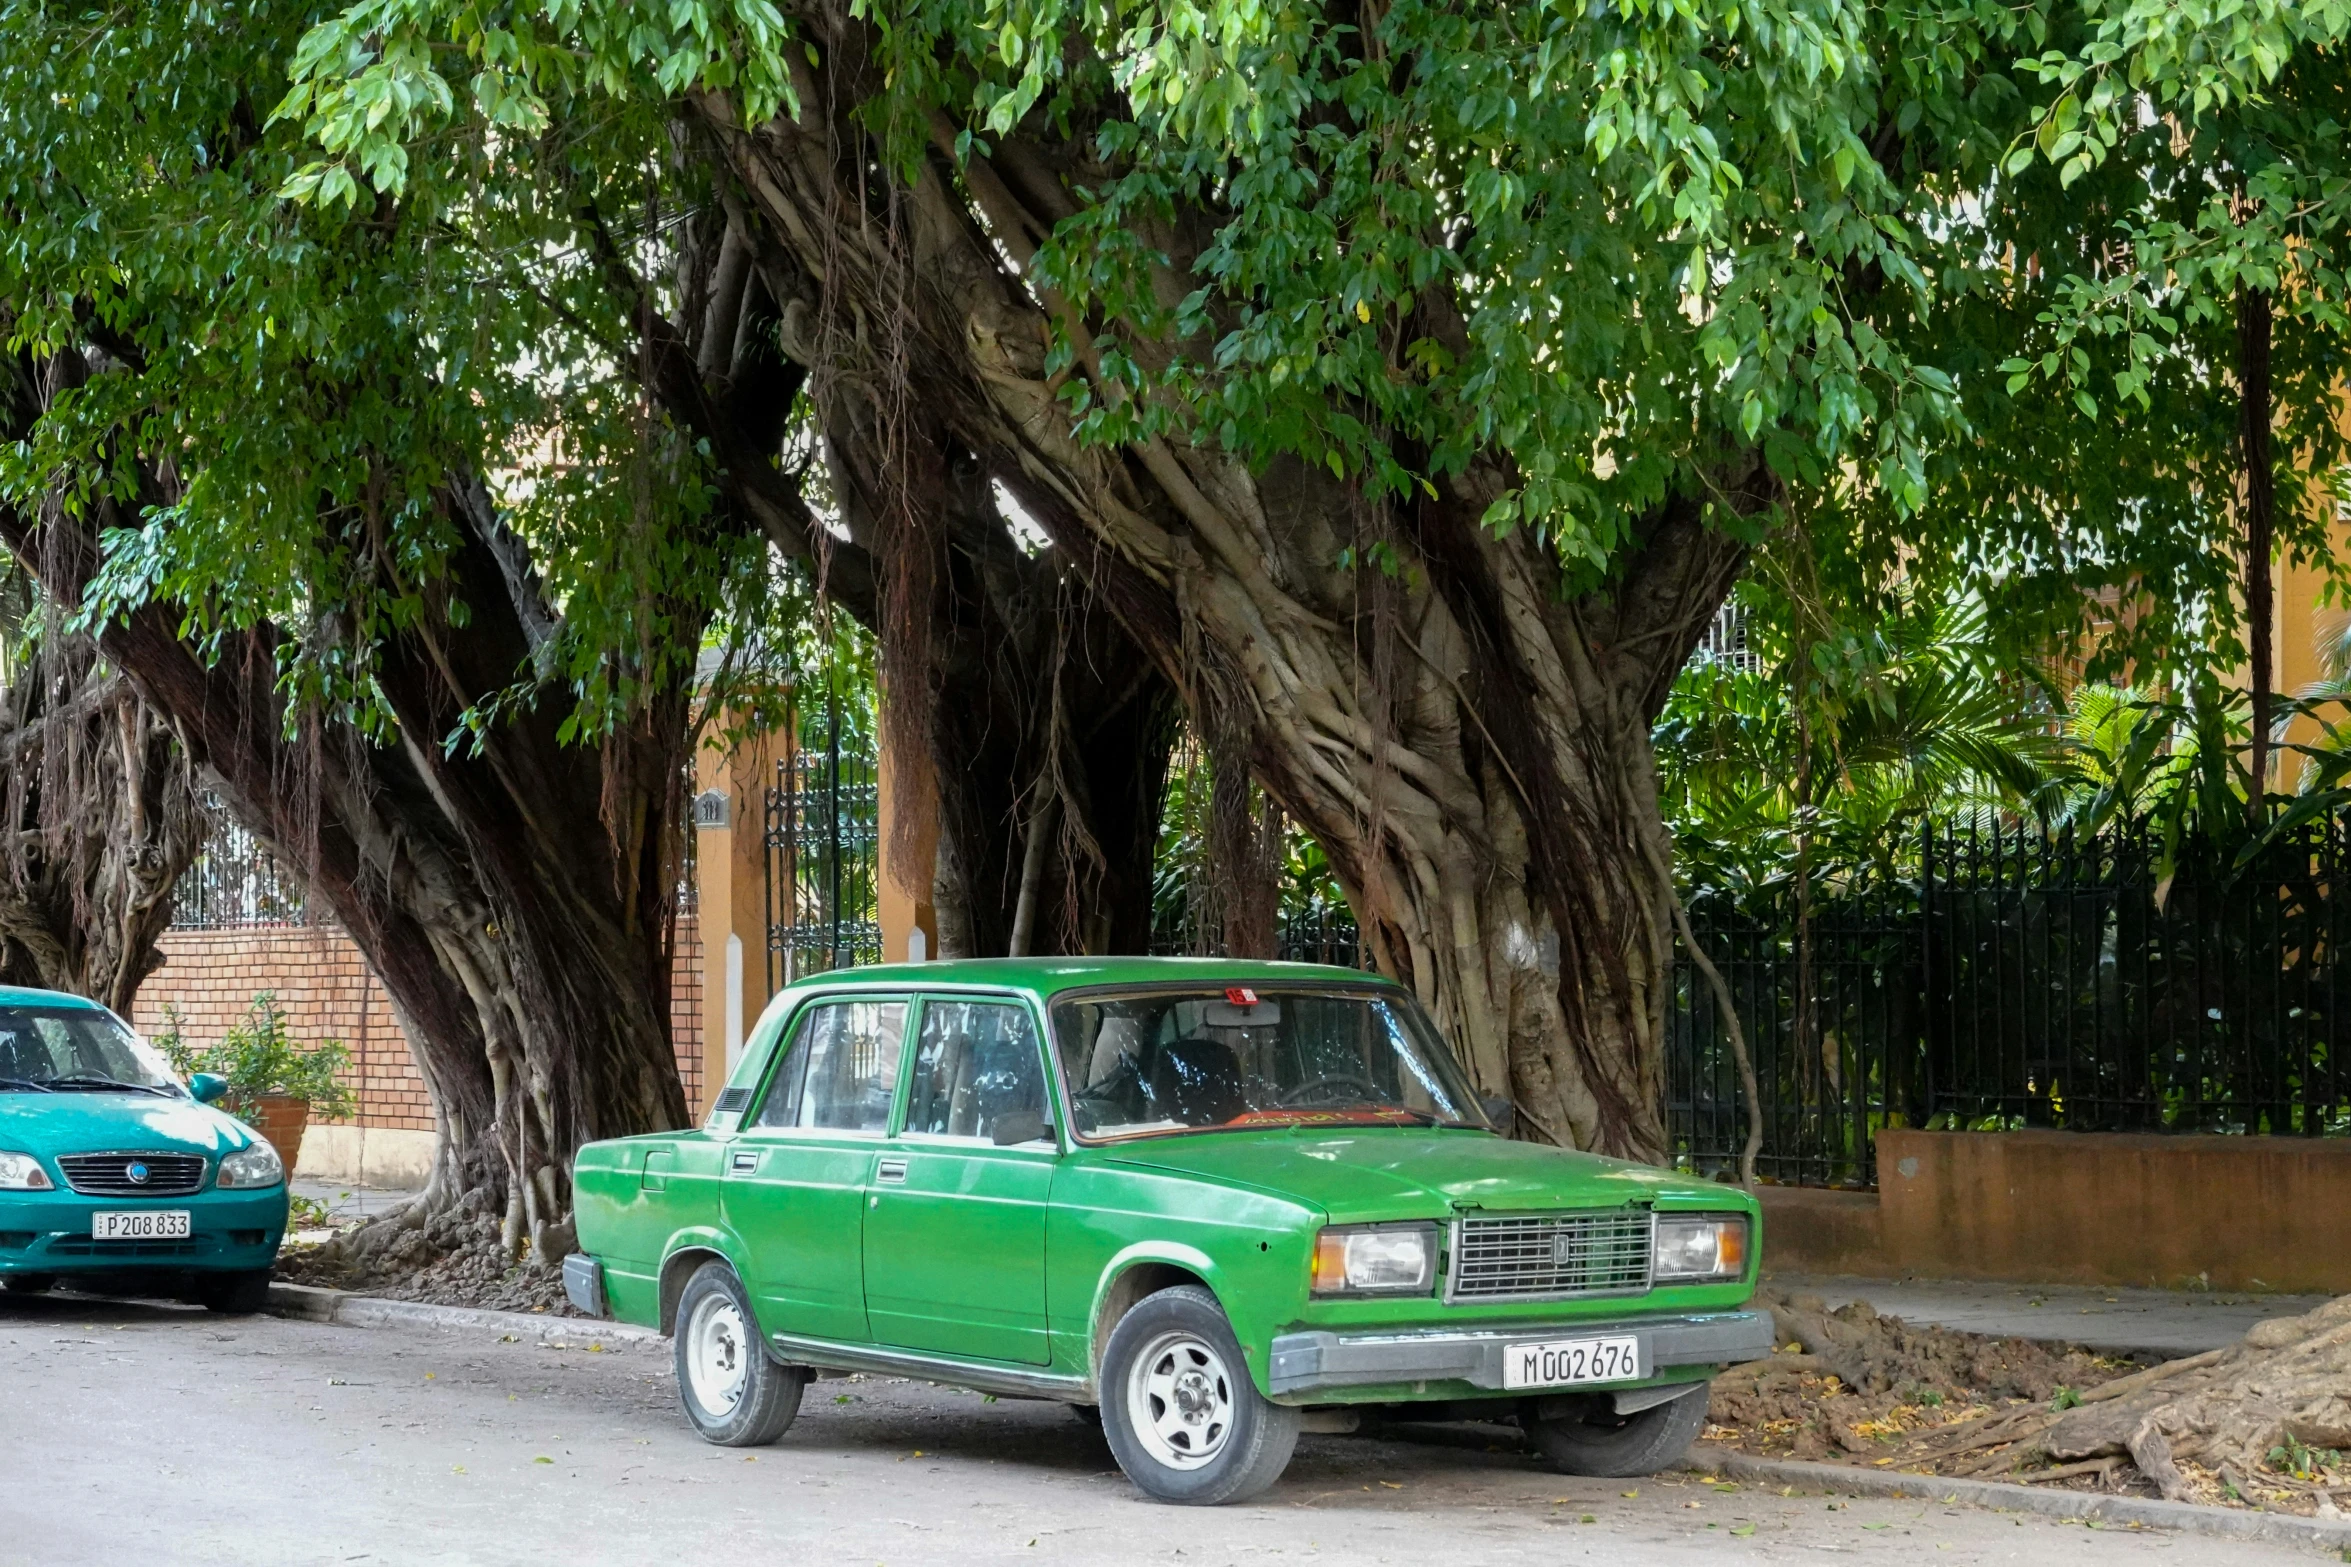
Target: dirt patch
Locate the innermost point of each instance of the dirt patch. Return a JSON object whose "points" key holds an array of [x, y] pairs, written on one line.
{"points": [[1849, 1386], [453, 1259]]}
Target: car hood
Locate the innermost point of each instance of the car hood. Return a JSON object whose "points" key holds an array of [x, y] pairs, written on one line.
{"points": [[1411, 1173], [100, 1123]]}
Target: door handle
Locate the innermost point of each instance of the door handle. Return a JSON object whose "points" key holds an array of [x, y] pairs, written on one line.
{"points": [[892, 1171], [744, 1163]]}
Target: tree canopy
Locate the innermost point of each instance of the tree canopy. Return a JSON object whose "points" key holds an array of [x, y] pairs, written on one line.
{"points": [[1398, 386]]}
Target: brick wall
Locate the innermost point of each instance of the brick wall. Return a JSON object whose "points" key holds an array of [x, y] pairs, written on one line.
{"points": [[328, 992]]}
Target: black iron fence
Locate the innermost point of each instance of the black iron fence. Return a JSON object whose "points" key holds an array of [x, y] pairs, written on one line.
{"points": [[824, 854], [2013, 978], [236, 881], [1318, 933]]}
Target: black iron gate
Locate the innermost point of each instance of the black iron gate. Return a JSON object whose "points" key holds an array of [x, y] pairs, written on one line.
{"points": [[823, 854]]}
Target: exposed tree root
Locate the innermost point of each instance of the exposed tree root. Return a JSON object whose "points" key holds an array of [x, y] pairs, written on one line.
{"points": [[453, 1255], [2264, 1422]]}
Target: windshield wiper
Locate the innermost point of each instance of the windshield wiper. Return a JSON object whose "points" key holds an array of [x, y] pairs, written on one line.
{"points": [[93, 1083], [20, 1084]]}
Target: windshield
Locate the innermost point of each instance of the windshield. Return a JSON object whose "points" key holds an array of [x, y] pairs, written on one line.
{"points": [[1206, 1058], [68, 1048]]}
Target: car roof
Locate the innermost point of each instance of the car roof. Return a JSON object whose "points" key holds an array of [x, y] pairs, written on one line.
{"points": [[1045, 977], [26, 996]]}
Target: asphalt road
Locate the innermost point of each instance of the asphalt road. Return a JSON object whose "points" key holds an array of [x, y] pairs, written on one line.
{"points": [[159, 1435]]}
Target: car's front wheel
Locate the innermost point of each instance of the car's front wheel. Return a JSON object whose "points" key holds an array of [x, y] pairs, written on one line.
{"points": [[734, 1392], [1183, 1418], [1589, 1438]]}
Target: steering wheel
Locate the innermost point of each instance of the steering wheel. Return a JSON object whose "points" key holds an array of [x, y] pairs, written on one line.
{"points": [[1336, 1089]]}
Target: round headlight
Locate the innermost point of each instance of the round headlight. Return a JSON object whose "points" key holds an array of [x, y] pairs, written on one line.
{"points": [[254, 1167]]}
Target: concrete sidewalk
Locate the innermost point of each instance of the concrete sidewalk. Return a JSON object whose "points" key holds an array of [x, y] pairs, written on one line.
{"points": [[2168, 1323], [346, 1201]]}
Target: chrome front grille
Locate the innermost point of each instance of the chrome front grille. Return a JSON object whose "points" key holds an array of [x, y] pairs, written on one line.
{"points": [[111, 1174], [1550, 1256]]}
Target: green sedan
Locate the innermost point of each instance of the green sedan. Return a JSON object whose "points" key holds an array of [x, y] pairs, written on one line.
{"points": [[1217, 1201]]}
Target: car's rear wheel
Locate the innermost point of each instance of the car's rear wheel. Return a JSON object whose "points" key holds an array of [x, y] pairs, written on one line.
{"points": [[1589, 1438], [29, 1283], [240, 1294], [1182, 1417], [734, 1393]]}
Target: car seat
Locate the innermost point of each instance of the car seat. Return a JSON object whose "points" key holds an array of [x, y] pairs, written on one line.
{"points": [[1198, 1082]]}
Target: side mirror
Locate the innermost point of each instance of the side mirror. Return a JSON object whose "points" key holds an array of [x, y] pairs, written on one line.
{"points": [[1020, 1126], [1500, 1112], [208, 1087]]}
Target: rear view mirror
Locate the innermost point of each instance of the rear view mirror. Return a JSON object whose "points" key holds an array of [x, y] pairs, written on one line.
{"points": [[1020, 1126], [208, 1087]]}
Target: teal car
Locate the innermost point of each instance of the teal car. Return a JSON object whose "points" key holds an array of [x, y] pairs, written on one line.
{"points": [[1214, 1203], [118, 1179]]}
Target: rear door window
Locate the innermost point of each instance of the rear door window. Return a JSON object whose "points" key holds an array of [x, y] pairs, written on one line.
{"points": [[842, 1069]]}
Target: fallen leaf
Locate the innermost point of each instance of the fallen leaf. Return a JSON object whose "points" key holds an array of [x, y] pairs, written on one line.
{"points": [[1742, 1530], [542, 1460]]}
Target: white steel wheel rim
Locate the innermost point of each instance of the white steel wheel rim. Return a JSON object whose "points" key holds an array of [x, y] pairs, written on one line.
{"points": [[1180, 1400], [718, 1355]]}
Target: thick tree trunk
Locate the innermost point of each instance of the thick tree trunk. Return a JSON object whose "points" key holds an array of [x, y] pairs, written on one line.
{"points": [[1469, 743], [102, 817], [517, 900], [1002, 668]]}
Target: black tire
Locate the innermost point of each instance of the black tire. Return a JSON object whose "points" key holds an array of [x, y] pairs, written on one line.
{"points": [[29, 1283], [1179, 1342], [734, 1393], [1597, 1442], [240, 1294]]}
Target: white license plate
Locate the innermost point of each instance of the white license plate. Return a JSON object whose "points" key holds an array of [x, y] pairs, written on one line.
{"points": [[171, 1224], [1567, 1362]]}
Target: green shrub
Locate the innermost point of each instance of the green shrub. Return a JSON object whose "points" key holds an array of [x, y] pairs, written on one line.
{"points": [[259, 1057]]}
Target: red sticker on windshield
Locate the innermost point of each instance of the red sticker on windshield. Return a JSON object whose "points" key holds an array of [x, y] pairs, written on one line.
{"points": [[1241, 996]]}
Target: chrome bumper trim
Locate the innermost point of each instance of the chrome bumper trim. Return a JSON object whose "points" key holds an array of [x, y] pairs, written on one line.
{"points": [[1306, 1362]]}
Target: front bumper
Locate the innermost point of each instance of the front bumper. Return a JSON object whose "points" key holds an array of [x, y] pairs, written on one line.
{"points": [[1314, 1362], [49, 1233]]}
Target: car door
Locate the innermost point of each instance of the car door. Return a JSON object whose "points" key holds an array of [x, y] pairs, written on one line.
{"points": [[797, 1172], [955, 1227]]}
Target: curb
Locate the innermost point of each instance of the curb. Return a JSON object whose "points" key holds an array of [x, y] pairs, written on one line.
{"points": [[307, 1303], [2186, 1517]]}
